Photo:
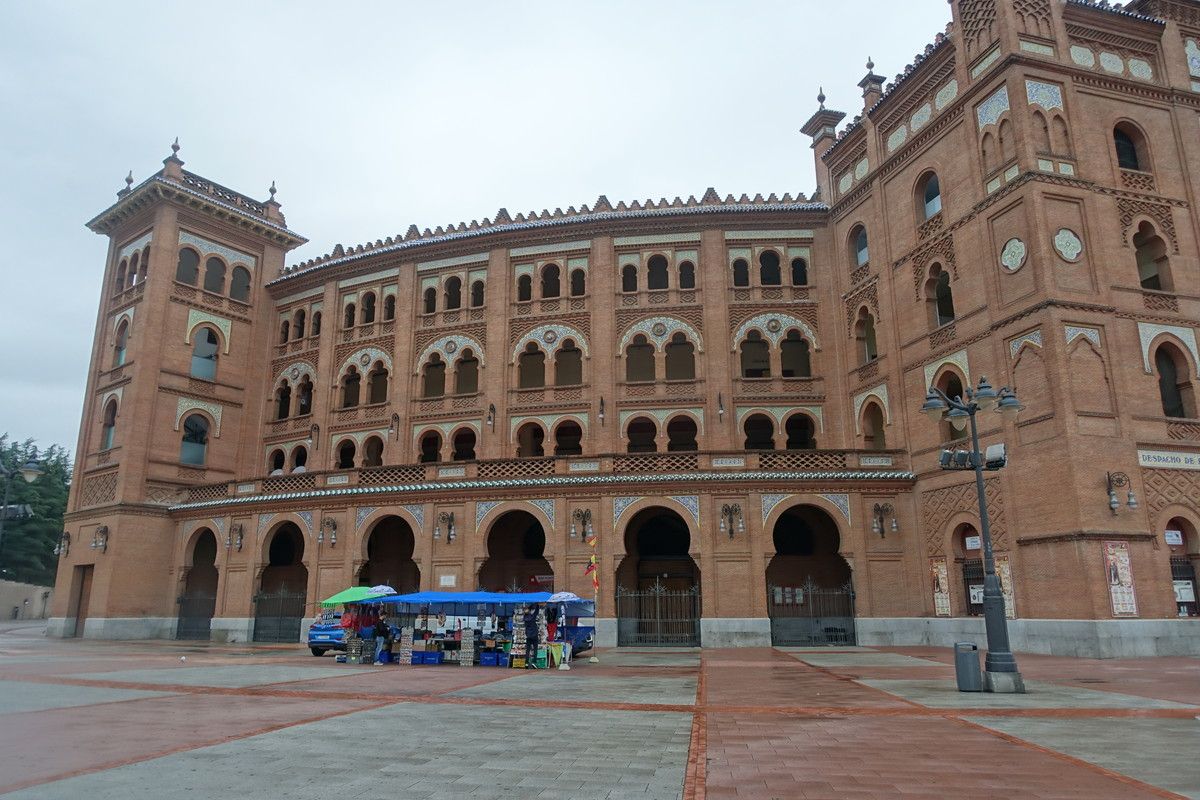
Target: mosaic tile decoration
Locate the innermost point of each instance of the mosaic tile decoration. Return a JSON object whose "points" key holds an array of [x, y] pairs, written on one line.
{"points": [[958, 359], [183, 405], [659, 330], [1073, 332], [1147, 331], [208, 248], [946, 95], [1012, 257], [294, 372], [263, 521], [621, 505], [136, 244], [364, 358], [769, 502], [1015, 344], [880, 393], [361, 514], [196, 317], [842, 501], [774, 327], [1068, 244], [1083, 56], [549, 338], [307, 518], [418, 514], [451, 348], [990, 110], [691, 502], [1047, 95]]}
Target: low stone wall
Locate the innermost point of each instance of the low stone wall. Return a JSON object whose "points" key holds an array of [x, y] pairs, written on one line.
{"points": [[24, 600]]}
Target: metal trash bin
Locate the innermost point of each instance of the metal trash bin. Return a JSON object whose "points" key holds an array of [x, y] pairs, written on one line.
{"points": [[966, 667]]}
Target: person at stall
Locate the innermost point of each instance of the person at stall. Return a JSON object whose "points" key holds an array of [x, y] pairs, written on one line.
{"points": [[551, 623], [531, 637], [349, 620], [383, 634]]}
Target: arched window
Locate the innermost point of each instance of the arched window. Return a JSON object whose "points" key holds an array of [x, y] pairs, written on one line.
{"points": [[351, 384], [578, 283], [795, 358], [214, 276], [929, 196], [1041, 133], [431, 448], [300, 459], [756, 356], [349, 316], [187, 270], [377, 381], [1130, 145], [283, 401], [550, 281], [389, 308], [204, 354], [463, 446], [939, 298], [368, 308], [864, 334], [1008, 144], [629, 278], [531, 368], [121, 346], [193, 446], [872, 428], [952, 386], [860, 254], [285, 329], [372, 452], [131, 276], [639, 360], [476, 294], [1150, 251], [681, 359], [568, 439], [298, 321], [801, 433], [1174, 383], [656, 273], [1060, 137], [568, 364], [304, 397], [434, 380], [119, 286], [466, 373], [108, 431], [741, 272], [681, 435], [530, 438], [769, 273], [641, 434], [316, 325], [239, 285], [760, 432], [799, 272], [430, 300], [275, 462], [524, 289], [687, 275], [453, 293], [989, 153], [345, 455]]}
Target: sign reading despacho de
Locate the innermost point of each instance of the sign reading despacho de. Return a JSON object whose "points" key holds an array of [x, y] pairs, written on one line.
{"points": [[1168, 459]]}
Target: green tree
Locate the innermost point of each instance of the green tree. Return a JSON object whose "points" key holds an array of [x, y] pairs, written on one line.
{"points": [[27, 548]]}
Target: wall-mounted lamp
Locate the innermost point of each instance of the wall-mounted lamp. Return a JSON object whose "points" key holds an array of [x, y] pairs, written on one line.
{"points": [[328, 524], [491, 416], [100, 539], [583, 516], [731, 518], [394, 427], [63, 548], [720, 406], [444, 518], [879, 515], [235, 537], [314, 436], [601, 414], [1117, 480]]}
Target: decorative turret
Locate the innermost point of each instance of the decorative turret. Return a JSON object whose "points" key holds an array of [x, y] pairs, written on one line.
{"points": [[173, 164], [822, 127], [872, 86]]}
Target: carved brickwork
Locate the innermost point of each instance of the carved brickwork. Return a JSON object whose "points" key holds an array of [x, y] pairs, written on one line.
{"points": [[738, 315], [1167, 487], [978, 20], [1131, 209], [423, 339], [931, 226], [1138, 181], [941, 250], [1158, 301], [1034, 17], [868, 295], [580, 322], [940, 505], [98, 489], [1183, 431]]}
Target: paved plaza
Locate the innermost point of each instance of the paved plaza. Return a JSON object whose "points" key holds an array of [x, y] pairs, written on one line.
{"points": [[110, 720]]}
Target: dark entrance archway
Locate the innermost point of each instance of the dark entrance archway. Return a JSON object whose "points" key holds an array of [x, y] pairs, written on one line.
{"points": [[280, 602], [516, 559], [199, 599], [390, 546], [658, 582], [810, 597]]}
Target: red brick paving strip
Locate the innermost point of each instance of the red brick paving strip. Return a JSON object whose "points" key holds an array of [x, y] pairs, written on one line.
{"points": [[695, 780]]}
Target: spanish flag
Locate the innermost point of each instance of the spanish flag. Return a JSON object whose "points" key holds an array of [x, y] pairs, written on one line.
{"points": [[590, 568]]}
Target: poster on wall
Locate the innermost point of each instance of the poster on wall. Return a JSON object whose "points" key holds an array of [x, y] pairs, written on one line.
{"points": [[1119, 572], [1004, 573], [941, 586]]}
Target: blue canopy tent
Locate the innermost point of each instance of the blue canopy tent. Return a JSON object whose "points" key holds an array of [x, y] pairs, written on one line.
{"points": [[469, 602]]}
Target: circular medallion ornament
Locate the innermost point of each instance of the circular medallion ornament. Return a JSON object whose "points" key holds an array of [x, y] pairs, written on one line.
{"points": [[774, 325], [364, 359], [451, 346], [295, 373], [1012, 258], [1068, 245], [659, 329], [550, 337]]}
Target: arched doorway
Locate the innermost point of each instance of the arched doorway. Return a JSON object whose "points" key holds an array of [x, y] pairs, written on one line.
{"points": [[968, 558], [390, 546], [1185, 555], [280, 603], [199, 598], [810, 598], [658, 583], [516, 559]]}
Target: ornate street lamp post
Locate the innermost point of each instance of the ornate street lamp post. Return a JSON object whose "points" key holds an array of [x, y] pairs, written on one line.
{"points": [[1000, 666], [30, 471]]}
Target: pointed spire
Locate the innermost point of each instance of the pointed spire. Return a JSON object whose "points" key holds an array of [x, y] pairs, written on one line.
{"points": [[173, 164], [175, 148], [128, 185], [272, 190], [821, 97]]}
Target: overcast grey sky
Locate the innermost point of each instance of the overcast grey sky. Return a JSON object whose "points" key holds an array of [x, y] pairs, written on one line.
{"points": [[374, 116]]}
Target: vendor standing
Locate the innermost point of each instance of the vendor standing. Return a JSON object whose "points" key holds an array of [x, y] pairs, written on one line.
{"points": [[531, 636]]}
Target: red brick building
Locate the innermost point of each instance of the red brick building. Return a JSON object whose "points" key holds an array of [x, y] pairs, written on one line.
{"points": [[725, 391]]}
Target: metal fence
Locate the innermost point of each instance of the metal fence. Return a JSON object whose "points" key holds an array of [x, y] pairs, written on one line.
{"points": [[195, 615], [658, 617], [277, 616], [810, 615]]}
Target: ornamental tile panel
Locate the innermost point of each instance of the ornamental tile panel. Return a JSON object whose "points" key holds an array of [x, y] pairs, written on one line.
{"points": [[418, 514], [183, 405], [583, 466], [1111, 62], [1012, 257], [1147, 331], [482, 509], [774, 327], [958, 359], [307, 518], [659, 330], [1073, 332], [1046, 95], [548, 508], [549, 339], [1193, 56], [729, 461], [880, 393], [661, 415], [990, 110], [691, 502], [621, 505], [921, 118], [1068, 244], [548, 421], [364, 358], [898, 137], [294, 372], [1141, 69], [135, 245], [861, 169], [361, 515], [209, 248], [197, 317], [263, 521], [946, 95], [842, 501], [1083, 56], [1015, 344], [769, 503], [451, 349]]}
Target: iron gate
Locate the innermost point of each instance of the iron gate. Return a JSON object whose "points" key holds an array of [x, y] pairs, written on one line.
{"points": [[195, 615], [277, 616], [803, 616], [658, 617]]}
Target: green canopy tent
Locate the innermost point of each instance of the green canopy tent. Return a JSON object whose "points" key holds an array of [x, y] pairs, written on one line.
{"points": [[357, 594]]}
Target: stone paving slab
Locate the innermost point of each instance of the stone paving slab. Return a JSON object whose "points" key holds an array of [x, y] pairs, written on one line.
{"points": [[945, 694], [835, 660], [234, 675], [1161, 752], [432, 752], [23, 696], [828, 649], [650, 658], [575, 686]]}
